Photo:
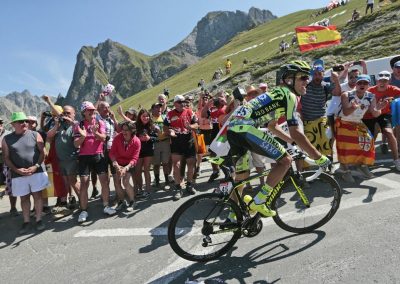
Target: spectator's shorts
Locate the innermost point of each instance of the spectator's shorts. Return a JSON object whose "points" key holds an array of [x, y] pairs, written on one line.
{"points": [[162, 152], [384, 121], [207, 136], [68, 167], [96, 162], [183, 145], [109, 162], [22, 186]]}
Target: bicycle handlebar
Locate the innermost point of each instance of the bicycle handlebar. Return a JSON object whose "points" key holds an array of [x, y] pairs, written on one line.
{"points": [[317, 173]]}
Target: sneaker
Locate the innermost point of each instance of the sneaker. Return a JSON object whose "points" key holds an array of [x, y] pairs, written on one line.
{"points": [[139, 193], [14, 212], [39, 225], [384, 149], [131, 206], [109, 211], [46, 210], [120, 205], [145, 195], [95, 192], [364, 170], [262, 209], [170, 179], [26, 226], [177, 195], [213, 176], [190, 189], [397, 164], [62, 209], [83, 217], [347, 177]]}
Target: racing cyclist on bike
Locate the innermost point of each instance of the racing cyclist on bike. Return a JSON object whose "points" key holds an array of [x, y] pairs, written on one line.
{"points": [[243, 133]]}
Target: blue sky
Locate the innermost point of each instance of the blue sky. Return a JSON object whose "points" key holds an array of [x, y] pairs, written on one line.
{"points": [[40, 39]]}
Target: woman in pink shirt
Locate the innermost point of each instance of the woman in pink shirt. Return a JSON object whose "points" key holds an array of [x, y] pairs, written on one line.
{"points": [[124, 155], [90, 135]]}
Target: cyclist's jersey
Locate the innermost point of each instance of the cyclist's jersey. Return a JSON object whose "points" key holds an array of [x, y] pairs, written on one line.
{"points": [[265, 108]]}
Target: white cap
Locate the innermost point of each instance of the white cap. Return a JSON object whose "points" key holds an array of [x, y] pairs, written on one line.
{"points": [[179, 98], [384, 75]]}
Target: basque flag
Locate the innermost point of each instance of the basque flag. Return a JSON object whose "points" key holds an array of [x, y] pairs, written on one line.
{"points": [[312, 37]]}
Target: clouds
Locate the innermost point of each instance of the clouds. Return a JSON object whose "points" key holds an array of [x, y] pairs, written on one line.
{"points": [[38, 72]]}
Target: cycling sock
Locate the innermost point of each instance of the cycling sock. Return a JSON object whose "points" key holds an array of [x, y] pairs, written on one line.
{"points": [[232, 216], [262, 194]]}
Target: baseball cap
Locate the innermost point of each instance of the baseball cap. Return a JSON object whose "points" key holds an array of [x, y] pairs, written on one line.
{"points": [[179, 98], [318, 68], [384, 75], [397, 64], [189, 98], [32, 118], [155, 105], [87, 105], [364, 77], [131, 110], [18, 116]]}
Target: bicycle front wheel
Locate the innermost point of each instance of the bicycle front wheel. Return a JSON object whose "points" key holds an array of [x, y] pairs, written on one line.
{"points": [[200, 229], [303, 214]]}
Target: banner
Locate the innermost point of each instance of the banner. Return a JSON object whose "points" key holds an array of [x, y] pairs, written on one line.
{"points": [[312, 37]]}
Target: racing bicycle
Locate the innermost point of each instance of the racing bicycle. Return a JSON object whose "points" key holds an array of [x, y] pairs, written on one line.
{"points": [[200, 229]]}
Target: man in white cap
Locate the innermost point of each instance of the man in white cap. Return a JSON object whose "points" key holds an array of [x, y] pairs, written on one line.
{"points": [[179, 124], [384, 91]]}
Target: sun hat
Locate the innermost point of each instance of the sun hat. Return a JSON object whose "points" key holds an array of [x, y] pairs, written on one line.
{"points": [[18, 116], [108, 89], [384, 75], [251, 90], [179, 98], [87, 105], [58, 108], [364, 77]]}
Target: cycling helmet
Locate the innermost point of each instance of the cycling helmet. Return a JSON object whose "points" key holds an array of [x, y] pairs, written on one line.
{"points": [[289, 71]]}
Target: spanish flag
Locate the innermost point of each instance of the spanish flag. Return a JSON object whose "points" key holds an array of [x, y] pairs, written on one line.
{"points": [[312, 37]]}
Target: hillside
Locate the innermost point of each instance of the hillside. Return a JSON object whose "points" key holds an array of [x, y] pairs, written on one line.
{"points": [[131, 71], [372, 36]]}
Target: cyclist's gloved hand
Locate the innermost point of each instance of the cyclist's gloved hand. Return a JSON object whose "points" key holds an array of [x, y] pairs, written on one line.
{"points": [[323, 162], [292, 150]]}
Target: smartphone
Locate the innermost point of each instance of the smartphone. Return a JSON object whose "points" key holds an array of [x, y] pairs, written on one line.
{"points": [[338, 68]]}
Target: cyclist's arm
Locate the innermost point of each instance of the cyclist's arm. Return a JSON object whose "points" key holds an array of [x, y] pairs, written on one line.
{"points": [[302, 141], [277, 131]]}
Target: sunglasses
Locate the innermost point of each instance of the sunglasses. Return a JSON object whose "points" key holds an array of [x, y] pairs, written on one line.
{"points": [[384, 75], [66, 112], [362, 83], [22, 121], [303, 77]]}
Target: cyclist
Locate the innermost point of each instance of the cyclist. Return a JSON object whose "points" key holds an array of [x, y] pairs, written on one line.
{"points": [[243, 134]]}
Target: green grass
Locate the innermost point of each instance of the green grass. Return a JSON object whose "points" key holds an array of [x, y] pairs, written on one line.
{"points": [[266, 57]]}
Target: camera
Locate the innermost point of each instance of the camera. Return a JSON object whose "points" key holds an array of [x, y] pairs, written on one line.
{"points": [[239, 94], [166, 93], [216, 102], [338, 68]]}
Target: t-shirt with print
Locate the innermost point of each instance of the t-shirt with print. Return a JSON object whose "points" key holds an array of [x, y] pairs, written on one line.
{"points": [[358, 113], [176, 120], [158, 122], [391, 91], [90, 146]]}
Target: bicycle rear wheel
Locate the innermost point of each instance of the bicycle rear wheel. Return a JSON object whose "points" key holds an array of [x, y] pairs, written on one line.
{"points": [[198, 230], [293, 215]]}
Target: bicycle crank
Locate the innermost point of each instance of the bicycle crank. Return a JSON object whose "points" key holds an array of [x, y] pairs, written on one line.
{"points": [[251, 227]]}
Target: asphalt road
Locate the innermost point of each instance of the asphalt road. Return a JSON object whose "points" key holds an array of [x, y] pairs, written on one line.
{"points": [[359, 245]]}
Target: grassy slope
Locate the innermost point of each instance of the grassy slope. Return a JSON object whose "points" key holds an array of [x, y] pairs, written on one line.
{"points": [[259, 56]]}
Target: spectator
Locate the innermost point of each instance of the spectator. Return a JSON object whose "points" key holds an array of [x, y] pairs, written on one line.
{"points": [[89, 137], [63, 135], [370, 5], [395, 76], [205, 127], [124, 154], [355, 15], [201, 83], [263, 88], [215, 109], [23, 153], [313, 108], [5, 174], [384, 92], [179, 123], [129, 115], [228, 66], [147, 135], [294, 39], [162, 150], [355, 146], [162, 99]]}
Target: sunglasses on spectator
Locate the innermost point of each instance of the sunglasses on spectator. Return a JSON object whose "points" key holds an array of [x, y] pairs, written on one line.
{"points": [[22, 121], [362, 83], [384, 75], [66, 112]]}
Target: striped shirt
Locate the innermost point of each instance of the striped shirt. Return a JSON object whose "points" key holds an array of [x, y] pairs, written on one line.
{"points": [[313, 103]]}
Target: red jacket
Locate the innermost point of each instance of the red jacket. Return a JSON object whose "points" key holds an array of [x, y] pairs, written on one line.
{"points": [[125, 153]]}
